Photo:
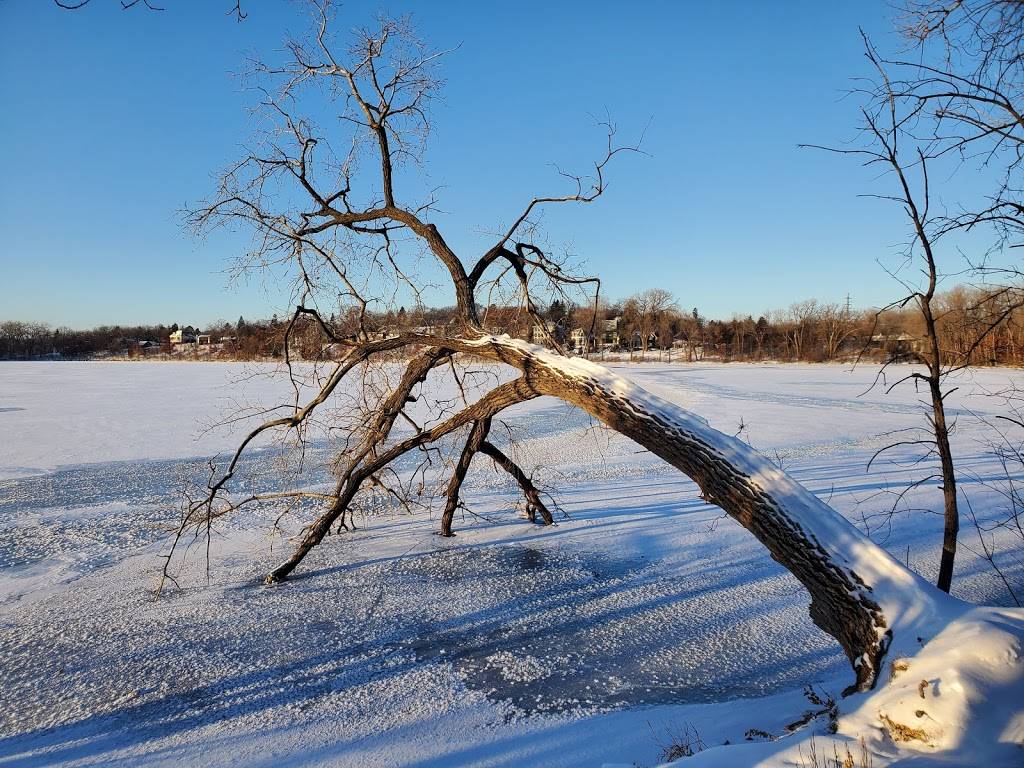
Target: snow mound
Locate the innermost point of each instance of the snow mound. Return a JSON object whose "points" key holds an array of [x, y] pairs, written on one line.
{"points": [[961, 692], [956, 701]]}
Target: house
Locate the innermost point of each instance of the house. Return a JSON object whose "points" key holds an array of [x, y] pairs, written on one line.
{"points": [[900, 345], [610, 337], [541, 333], [638, 340], [186, 335], [580, 340]]}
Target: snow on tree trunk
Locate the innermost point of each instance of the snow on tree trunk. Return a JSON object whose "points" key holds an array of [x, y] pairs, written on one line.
{"points": [[860, 595]]}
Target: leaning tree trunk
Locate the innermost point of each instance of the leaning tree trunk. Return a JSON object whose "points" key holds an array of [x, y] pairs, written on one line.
{"points": [[860, 595]]}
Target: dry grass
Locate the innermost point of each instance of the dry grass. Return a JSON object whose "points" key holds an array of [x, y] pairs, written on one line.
{"points": [[680, 744], [900, 732], [897, 667], [836, 760]]}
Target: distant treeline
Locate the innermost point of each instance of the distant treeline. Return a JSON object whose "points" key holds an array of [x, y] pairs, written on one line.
{"points": [[242, 340], [973, 325]]}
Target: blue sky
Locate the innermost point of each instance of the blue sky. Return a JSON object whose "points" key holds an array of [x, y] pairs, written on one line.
{"points": [[113, 120]]}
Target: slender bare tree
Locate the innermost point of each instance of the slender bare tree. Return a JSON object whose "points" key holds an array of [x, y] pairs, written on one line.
{"points": [[344, 223], [963, 103], [885, 126]]}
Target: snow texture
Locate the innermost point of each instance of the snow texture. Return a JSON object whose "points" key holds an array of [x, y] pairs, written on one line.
{"points": [[643, 614]]}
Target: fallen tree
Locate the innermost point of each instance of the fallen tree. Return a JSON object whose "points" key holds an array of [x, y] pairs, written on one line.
{"points": [[300, 202]]}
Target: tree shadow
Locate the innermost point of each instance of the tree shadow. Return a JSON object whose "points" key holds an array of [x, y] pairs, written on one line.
{"points": [[590, 621]]}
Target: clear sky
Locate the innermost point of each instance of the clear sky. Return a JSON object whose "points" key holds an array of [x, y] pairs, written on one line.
{"points": [[112, 121]]}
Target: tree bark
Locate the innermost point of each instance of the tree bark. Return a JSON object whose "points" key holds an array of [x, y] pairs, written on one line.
{"points": [[951, 512]]}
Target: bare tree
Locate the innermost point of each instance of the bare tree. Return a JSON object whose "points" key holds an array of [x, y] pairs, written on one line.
{"points": [[962, 105], [803, 317], [647, 309], [837, 326], [885, 126], [344, 225]]}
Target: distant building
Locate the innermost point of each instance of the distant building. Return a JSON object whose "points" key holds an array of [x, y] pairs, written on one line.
{"points": [[185, 335], [542, 333], [580, 340], [900, 344], [610, 338], [385, 333]]}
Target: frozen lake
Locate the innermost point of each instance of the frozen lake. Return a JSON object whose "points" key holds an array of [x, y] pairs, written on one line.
{"points": [[507, 645]]}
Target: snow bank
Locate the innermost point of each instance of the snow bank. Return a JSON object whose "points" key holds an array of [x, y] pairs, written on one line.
{"points": [[956, 702]]}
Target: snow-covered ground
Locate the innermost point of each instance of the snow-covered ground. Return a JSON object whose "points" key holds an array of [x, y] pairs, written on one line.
{"points": [[643, 616]]}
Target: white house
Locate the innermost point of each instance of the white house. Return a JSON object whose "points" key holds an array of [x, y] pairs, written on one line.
{"points": [[579, 340], [183, 336]]}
